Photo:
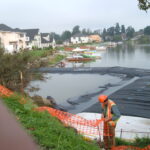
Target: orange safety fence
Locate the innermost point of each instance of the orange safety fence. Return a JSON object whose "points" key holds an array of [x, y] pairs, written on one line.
{"points": [[83, 126], [93, 128], [4, 91]]}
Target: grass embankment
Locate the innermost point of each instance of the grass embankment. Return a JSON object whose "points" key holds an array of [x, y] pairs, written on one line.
{"points": [[47, 131], [52, 57], [36, 54], [56, 59]]}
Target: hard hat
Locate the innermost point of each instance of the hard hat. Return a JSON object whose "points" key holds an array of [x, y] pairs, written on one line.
{"points": [[102, 98]]}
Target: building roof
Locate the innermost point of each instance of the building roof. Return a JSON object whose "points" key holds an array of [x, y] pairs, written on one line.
{"points": [[79, 35], [45, 38], [4, 27], [17, 30], [31, 33]]}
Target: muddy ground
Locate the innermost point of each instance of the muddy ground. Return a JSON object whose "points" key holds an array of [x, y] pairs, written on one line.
{"points": [[132, 97]]}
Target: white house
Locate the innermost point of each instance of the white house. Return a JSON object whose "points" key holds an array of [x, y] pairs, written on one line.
{"points": [[45, 40], [33, 38], [80, 38], [12, 40]]}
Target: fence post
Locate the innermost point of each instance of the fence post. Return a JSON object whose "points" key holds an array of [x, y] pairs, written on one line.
{"points": [[21, 80], [121, 133]]}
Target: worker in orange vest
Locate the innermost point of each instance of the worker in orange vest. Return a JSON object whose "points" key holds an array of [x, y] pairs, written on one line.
{"points": [[111, 114]]}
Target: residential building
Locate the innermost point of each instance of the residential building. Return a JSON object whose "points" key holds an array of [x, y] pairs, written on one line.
{"points": [[45, 40], [33, 38], [80, 38], [95, 38], [12, 40], [66, 43]]}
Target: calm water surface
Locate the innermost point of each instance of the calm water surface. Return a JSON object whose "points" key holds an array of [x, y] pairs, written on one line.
{"points": [[133, 56], [64, 86]]}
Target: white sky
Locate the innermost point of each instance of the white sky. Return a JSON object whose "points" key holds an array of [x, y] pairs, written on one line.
{"points": [[60, 15]]}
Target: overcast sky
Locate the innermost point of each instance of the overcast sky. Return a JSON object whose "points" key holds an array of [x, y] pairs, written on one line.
{"points": [[60, 15]]}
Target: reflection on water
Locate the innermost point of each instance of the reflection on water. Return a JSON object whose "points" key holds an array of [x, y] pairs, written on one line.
{"points": [[126, 55], [64, 86]]}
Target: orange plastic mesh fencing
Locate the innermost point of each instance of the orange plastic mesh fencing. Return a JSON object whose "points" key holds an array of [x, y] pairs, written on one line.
{"points": [[83, 126], [4, 91], [130, 148]]}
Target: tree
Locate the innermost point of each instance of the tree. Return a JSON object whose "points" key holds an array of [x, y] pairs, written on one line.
{"points": [[130, 32], [97, 32], [84, 32], [123, 30], [55, 36], [104, 34], [76, 30], [11, 67], [147, 30], [117, 29], [117, 38], [144, 4], [111, 31], [89, 31], [66, 35]]}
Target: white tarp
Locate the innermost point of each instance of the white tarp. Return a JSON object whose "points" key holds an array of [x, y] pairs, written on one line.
{"points": [[128, 127]]}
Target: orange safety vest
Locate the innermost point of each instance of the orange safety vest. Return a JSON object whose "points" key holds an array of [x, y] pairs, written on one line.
{"points": [[108, 113]]}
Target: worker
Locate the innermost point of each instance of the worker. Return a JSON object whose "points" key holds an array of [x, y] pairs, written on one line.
{"points": [[110, 114]]}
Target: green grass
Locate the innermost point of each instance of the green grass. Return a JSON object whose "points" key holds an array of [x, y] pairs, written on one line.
{"points": [[47, 131], [137, 142], [56, 59], [39, 53]]}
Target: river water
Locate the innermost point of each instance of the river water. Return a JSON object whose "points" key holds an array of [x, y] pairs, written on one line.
{"points": [[67, 89], [126, 55]]}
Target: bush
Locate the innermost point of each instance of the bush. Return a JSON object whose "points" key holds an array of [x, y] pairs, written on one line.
{"points": [[144, 40], [11, 67]]}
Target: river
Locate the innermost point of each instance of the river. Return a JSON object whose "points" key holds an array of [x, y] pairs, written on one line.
{"points": [[126, 55], [77, 92]]}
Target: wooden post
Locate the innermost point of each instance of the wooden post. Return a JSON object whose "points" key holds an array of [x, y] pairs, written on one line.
{"points": [[121, 133], [21, 79], [99, 140]]}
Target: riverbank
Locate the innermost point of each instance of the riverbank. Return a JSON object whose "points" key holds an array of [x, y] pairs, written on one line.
{"points": [[15, 68], [49, 133], [46, 131]]}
